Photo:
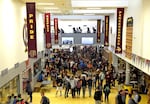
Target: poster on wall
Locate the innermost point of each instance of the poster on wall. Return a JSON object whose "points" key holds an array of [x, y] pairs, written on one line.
{"points": [[56, 30], [98, 30], [120, 15], [129, 33], [106, 38], [67, 40], [31, 27], [47, 30]]}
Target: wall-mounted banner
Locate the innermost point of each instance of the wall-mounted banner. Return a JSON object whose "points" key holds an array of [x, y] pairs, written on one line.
{"points": [[98, 30], [106, 38], [31, 26], [47, 31], [129, 32], [120, 15], [56, 30]]}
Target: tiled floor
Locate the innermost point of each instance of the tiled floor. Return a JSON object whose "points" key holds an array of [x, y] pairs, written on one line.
{"points": [[70, 100]]}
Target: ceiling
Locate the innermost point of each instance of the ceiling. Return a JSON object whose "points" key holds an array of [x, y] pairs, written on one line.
{"points": [[79, 7]]}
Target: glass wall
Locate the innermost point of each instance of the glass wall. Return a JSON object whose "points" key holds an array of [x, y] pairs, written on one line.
{"points": [[12, 87], [37, 67]]}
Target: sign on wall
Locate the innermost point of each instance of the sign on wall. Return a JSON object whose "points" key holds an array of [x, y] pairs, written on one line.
{"points": [[120, 15], [56, 30], [98, 30], [106, 38], [31, 27], [47, 31], [129, 32]]}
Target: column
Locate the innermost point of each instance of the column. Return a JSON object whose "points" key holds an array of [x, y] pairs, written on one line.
{"points": [[115, 62], [127, 80]]}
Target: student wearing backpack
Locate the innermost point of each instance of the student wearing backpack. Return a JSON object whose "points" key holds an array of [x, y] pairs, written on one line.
{"points": [[131, 100], [137, 97], [106, 92], [98, 96], [89, 82], [79, 84], [44, 99]]}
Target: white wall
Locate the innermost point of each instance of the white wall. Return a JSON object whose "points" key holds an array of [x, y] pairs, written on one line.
{"points": [[76, 24], [11, 41], [40, 31], [12, 49], [146, 29], [113, 25], [135, 9]]}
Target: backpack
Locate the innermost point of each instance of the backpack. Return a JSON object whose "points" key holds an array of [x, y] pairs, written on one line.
{"points": [[46, 100], [107, 90], [133, 101], [139, 98], [97, 95], [78, 84]]}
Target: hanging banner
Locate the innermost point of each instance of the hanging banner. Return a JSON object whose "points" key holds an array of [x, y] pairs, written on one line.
{"points": [[56, 30], [31, 27], [98, 30], [120, 15], [129, 32], [47, 31], [106, 38]]}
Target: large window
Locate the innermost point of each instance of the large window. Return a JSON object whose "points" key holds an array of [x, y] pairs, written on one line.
{"points": [[87, 40], [67, 40]]}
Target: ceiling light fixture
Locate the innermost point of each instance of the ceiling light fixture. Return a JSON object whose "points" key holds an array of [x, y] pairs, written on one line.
{"points": [[53, 11], [93, 8], [51, 8], [89, 14], [45, 4]]}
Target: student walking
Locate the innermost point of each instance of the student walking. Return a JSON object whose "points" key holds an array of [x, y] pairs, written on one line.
{"points": [[44, 99], [106, 92], [83, 86], [90, 86], [131, 100], [29, 90], [98, 96]]}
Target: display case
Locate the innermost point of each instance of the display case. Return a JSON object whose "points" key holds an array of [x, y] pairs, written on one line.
{"points": [[37, 67], [12, 87], [121, 65]]}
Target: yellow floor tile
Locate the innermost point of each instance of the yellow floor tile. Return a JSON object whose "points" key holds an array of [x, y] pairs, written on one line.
{"points": [[86, 100]]}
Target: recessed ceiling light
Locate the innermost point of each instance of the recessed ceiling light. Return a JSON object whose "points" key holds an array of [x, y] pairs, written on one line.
{"points": [[93, 8], [53, 8], [89, 14], [45, 4], [53, 11]]}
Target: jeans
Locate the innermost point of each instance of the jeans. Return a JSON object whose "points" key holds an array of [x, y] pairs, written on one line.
{"points": [[97, 102], [78, 91], [73, 92], [30, 94], [90, 90], [83, 90], [66, 92]]}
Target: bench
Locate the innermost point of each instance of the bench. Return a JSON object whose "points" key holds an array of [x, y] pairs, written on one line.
{"points": [[37, 86], [46, 88]]}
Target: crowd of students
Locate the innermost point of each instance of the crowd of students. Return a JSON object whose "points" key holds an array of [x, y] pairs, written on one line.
{"points": [[82, 69], [13, 99], [78, 70]]}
